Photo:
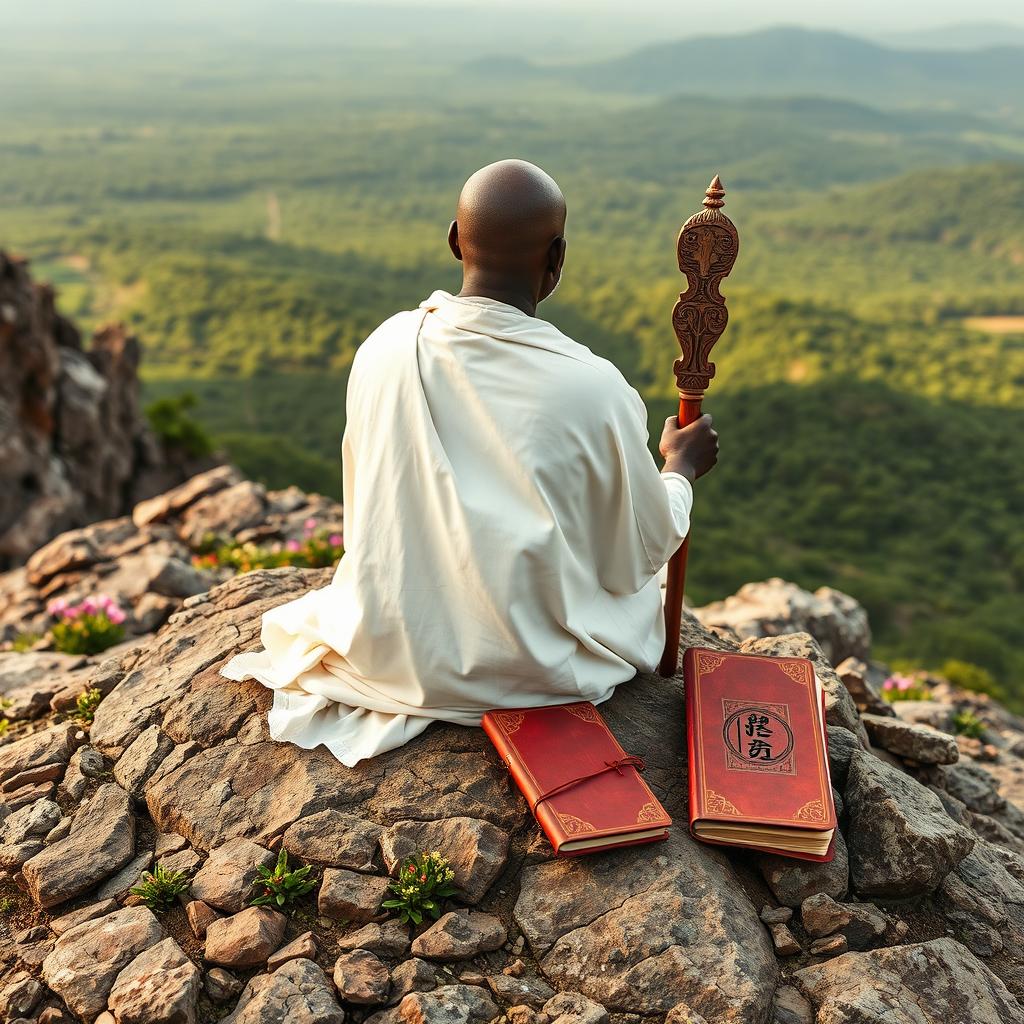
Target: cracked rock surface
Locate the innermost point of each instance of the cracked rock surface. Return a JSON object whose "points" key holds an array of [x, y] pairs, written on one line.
{"points": [[178, 769]]}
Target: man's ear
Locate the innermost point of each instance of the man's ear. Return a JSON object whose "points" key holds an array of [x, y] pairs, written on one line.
{"points": [[556, 256], [453, 240]]}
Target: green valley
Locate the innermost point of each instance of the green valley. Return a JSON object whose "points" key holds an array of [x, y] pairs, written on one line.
{"points": [[253, 213]]}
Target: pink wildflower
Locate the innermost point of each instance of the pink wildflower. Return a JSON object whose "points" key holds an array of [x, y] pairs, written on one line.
{"points": [[293, 545], [89, 606], [56, 606], [73, 611], [115, 614], [335, 540], [309, 525]]}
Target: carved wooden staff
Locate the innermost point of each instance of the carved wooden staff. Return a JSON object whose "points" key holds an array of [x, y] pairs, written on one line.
{"points": [[707, 248]]}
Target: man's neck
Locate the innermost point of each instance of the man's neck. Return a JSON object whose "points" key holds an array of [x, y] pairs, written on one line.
{"points": [[522, 297]]}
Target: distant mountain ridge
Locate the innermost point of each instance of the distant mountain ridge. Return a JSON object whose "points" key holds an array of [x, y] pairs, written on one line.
{"points": [[787, 61]]}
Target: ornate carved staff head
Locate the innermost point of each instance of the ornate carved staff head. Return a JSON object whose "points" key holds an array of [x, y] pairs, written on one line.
{"points": [[707, 248]]}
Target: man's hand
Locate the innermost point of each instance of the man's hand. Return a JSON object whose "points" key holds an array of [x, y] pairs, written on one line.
{"points": [[690, 451]]}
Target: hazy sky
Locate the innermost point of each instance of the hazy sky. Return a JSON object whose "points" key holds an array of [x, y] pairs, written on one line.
{"points": [[686, 16], [723, 15]]}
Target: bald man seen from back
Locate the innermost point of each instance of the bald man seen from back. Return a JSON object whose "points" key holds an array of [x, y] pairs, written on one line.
{"points": [[505, 523]]}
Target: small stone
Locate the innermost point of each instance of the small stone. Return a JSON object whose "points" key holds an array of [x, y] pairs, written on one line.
{"points": [[101, 842], [60, 831], [361, 978], [470, 977], [87, 958], [245, 939], [573, 1008], [532, 992], [59, 925], [225, 881], [785, 943], [920, 743], [142, 758], [514, 969], [349, 896], [792, 881], [13, 856], [522, 1015], [791, 1007], [200, 916], [116, 888], [301, 948], [459, 935], [185, 861], [821, 915], [168, 843], [829, 945], [334, 839], [160, 986], [475, 849], [20, 996], [297, 993], [30, 822], [682, 1014], [389, 938], [221, 985], [413, 975], [866, 926], [776, 915], [449, 1004], [32, 776]]}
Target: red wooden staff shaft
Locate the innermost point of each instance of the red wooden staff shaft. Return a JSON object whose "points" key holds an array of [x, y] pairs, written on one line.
{"points": [[689, 411]]}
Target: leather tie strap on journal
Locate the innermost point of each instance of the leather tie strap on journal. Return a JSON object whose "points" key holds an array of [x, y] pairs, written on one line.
{"points": [[707, 248], [629, 761]]}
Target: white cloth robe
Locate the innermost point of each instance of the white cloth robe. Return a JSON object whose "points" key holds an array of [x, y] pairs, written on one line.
{"points": [[505, 524]]}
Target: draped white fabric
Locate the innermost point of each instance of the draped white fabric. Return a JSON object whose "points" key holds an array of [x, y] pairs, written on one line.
{"points": [[505, 525]]}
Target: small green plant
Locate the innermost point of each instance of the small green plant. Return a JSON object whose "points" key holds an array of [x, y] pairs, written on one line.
{"points": [[7, 905], [159, 888], [86, 628], [972, 677], [905, 687], [170, 420], [280, 888], [25, 642], [4, 726], [318, 549], [424, 882], [86, 704], [967, 723]]}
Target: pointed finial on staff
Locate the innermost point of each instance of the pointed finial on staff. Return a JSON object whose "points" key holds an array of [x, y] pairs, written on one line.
{"points": [[713, 198]]}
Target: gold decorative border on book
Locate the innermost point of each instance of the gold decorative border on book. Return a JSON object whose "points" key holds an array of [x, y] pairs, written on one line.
{"points": [[575, 826], [583, 712], [649, 812], [510, 720], [796, 672], [813, 810], [715, 803], [709, 662]]}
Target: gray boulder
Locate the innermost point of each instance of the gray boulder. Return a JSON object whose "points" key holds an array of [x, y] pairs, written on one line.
{"points": [[901, 840]]}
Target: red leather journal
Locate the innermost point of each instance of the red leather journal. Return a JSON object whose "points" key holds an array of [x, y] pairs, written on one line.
{"points": [[758, 758], [584, 790]]}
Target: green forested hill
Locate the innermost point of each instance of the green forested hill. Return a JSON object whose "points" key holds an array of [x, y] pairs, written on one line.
{"points": [[255, 219]]}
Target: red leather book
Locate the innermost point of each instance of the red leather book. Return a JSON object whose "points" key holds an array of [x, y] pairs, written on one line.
{"points": [[759, 774], [584, 790]]}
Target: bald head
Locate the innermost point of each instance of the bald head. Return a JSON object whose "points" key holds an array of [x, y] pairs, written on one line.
{"points": [[508, 231]]}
